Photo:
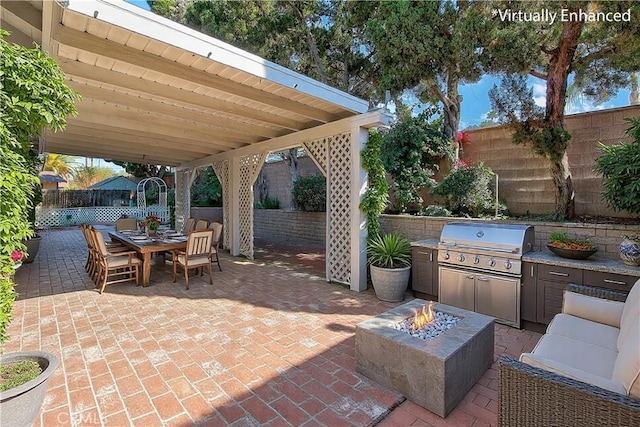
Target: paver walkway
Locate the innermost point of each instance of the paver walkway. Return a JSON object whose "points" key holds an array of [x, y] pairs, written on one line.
{"points": [[270, 343]]}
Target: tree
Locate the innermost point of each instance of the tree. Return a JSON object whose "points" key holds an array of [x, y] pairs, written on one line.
{"points": [[86, 176], [33, 95], [599, 54], [65, 166], [431, 46], [143, 170]]}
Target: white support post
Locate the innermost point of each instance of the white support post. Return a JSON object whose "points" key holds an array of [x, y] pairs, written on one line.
{"points": [[359, 137], [234, 205]]}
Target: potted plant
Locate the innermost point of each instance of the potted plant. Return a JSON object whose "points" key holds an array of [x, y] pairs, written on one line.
{"points": [[573, 247], [34, 96], [151, 224], [389, 257], [32, 243], [630, 249]]}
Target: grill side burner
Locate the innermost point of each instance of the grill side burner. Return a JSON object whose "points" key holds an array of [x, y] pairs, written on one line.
{"points": [[480, 267]]}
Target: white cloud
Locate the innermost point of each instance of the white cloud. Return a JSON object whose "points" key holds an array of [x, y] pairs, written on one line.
{"points": [[540, 94]]}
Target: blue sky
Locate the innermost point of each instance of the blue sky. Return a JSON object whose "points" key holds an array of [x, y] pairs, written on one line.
{"points": [[476, 105]]}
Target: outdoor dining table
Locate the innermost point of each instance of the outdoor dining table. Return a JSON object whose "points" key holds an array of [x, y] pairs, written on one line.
{"points": [[147, 247]]}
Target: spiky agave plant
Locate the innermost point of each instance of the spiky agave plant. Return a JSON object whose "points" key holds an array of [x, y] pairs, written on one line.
{"points": [[389, 251]]}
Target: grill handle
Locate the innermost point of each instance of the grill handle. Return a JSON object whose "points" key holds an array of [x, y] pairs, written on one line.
{"points": [[484, 248]]}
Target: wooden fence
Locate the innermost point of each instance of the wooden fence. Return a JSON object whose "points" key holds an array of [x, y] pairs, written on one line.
{"points": [[88, 198]]}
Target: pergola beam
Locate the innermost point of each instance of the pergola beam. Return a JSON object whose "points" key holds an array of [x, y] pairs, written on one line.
{"points": [[367, 120]]}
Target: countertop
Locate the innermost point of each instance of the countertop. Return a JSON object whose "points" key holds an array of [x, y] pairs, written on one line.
{"points": [[593, 263]]}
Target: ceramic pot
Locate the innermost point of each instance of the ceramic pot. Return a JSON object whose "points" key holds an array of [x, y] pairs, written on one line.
{"points": [[630, 252], [390, 284], [19, 406]]}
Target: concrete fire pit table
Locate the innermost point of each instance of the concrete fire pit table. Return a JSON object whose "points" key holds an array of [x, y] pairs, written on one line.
{"points": [[435, 374]]}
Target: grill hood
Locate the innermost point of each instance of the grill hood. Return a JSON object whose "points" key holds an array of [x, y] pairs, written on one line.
{"points": [[515, 239]]}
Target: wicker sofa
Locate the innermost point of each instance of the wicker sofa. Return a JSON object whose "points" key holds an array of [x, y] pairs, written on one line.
{"points": [[585, 370]]}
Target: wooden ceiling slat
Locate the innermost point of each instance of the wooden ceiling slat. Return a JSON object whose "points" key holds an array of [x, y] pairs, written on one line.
{"points": [[116, 50], [74, 68]]}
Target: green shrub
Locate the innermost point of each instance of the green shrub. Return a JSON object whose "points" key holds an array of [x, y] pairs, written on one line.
{"points": [[206, 189], [619, 166], [33, 96], [310, 193], [435, 210], [268, 203], [410, 153], [466, 189]]}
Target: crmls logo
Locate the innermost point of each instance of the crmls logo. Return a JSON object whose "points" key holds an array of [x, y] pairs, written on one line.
{"points": [[77, 419]]}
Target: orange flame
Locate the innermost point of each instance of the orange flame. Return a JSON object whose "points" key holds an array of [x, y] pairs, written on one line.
{"points": [[424, 317]]}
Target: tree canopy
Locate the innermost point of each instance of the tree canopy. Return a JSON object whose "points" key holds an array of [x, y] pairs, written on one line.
{"points": [[600, 55]]}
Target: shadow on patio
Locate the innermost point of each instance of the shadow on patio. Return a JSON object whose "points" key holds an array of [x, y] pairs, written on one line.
{"points": [[267, 344]]}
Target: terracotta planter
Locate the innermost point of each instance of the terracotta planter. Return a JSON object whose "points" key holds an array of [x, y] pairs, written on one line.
{"points": [[20, 406], [630, 252], [390, 284]]}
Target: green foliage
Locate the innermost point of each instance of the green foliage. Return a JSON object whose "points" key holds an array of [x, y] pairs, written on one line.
{"points": [[434, 44], [466, 189], [410, 153], [33, 95], [310, 193], [376, 196], [619, 166], [435, 210], [206, 189], [268, 203], [15, 374], [388, 251]]}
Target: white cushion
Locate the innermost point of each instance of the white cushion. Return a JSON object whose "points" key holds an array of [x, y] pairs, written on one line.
{"points": [[121, 261], [193, 261], [592, 308], [580, 355], [584, 330], [627, 366], [571, 372], [630, 312]]}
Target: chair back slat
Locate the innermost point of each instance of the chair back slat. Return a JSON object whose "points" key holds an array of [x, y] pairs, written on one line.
{"points": [[199, 242], [98, 242]]}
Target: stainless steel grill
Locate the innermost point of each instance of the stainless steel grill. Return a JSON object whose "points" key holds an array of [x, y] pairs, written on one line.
{"points": [[480, 267]]}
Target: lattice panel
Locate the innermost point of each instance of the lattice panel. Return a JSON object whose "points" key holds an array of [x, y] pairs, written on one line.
{"points": [[318, 152], [222, 172], [249, 168], [65, 217], [183, 198], [339, 181]]}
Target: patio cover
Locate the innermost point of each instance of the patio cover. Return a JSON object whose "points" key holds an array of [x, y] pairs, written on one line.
{"points": [[157, 92]]}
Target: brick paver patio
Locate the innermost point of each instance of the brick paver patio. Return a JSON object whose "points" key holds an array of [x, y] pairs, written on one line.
{"points": [[270, 343]]}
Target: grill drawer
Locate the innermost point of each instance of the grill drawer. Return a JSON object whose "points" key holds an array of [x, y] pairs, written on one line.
{"points": [[556, 273]]}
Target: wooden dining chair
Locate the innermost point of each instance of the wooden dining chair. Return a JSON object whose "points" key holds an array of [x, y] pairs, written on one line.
{"points": [[114, 267], [196, 255], [215, 247], [202, 224], [189, 226], [126, 224]]}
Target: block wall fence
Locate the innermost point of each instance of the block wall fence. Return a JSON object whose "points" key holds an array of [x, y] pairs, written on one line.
{"points": [[524, 182], [309, 228]]}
